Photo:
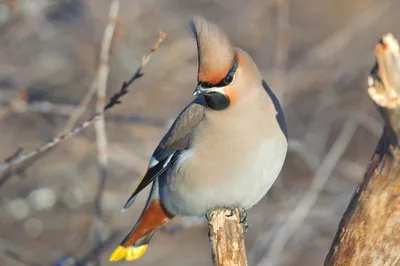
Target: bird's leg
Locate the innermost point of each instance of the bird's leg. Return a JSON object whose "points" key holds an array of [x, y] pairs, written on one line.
{"points": [[243, 219], [208, 216], [242, 214]]}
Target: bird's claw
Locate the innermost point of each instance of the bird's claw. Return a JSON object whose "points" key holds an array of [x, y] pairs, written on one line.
{"points": [[243, 217], [245, 226], [208, 216]]}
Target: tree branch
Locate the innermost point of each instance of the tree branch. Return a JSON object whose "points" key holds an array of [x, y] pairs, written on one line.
{"points": [[101, 137], [368, 233], [8, 168], [227, 239]]}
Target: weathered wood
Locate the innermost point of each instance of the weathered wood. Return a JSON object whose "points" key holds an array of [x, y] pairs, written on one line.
{"points": [[227, 239], [369, 233]]}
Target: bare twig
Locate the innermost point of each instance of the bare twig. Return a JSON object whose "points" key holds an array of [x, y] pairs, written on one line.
{"points": [[22, 104], [14, 155], [70, 110], [98, 250], [101, 85], [77, 112], [307, 201], [227, 240], [101, 138], [7, 169], [371, 124]]}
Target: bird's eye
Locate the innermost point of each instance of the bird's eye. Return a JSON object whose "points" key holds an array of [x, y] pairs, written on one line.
{"points": [[228, 79]]}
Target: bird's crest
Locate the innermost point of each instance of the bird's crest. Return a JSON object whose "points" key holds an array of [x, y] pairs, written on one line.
{"points": [[215, 52]]}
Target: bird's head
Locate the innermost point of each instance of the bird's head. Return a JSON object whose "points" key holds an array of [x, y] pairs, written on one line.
{"points": [[225, 74]]}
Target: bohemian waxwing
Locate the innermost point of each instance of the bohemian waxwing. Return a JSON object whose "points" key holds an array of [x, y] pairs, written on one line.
{"points": [[225, 149]]}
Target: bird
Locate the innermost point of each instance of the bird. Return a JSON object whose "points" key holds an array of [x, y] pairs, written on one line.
{"points": [[224, 150]]}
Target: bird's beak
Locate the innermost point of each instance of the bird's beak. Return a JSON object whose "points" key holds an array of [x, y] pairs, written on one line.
{"points": [[199, 90]]}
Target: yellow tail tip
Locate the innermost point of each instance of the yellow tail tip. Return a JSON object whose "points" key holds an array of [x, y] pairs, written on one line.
{"points": [[134, 253], [129, 253], [118, 254]]}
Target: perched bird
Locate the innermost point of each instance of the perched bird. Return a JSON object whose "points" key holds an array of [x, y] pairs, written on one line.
{"points": [[225, 149]]}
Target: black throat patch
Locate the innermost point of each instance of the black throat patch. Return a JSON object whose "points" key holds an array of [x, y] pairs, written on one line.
{"points": [[217, 101]]}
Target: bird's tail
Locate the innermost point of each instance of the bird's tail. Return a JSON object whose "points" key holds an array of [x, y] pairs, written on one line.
{"points": [[133, 252], [153, 216]]}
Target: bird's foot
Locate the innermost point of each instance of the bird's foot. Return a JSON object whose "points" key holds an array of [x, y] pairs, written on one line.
{"points": [[242, 214], [245, 227], [243, 219], [208, 216]]}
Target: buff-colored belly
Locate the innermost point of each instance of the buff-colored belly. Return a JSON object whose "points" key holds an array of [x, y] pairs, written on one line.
{"points": [[234, 178]]}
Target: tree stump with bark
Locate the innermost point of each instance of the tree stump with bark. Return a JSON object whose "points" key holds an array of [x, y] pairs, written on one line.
{"points": [[369, 232], [227, 239]]}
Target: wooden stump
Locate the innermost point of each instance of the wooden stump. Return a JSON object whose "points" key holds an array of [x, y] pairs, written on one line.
{"points": [[227, 239], [369, 233]]}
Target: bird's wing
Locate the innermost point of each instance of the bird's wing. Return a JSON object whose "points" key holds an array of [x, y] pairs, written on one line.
{"points": [[173, 143]]}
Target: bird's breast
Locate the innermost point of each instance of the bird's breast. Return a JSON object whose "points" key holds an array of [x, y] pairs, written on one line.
{"points": [[232, 162], [223, 172]]}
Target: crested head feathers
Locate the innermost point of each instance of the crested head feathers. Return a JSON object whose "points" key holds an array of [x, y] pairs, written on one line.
{"points": [[215, 51]]}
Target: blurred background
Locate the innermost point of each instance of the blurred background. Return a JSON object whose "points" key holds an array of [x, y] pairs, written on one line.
{"points": [[316, 56]]}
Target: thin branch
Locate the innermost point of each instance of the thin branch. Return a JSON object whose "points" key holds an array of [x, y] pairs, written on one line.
{"points": [[115, 99], [64, 109], [98, 250], [7, 169], [77, 112], [101, 137], [307, 201], [21, 103], [14, 155]]}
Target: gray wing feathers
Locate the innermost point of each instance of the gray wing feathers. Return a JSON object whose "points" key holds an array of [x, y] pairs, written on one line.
{"points": [[178, 136]]}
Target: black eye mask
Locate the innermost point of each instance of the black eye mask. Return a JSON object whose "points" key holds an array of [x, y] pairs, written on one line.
{"points": [[226, 80]]}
